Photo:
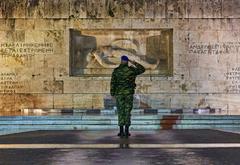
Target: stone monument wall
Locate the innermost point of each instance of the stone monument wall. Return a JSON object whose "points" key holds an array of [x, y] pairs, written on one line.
{"points": [[197, 67]]}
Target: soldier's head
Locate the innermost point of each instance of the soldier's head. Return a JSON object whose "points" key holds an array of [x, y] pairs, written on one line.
{"points": [[124, 59]]}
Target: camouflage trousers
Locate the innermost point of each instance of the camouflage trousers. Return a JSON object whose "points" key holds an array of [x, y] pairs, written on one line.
{"points": [[124, 107]]}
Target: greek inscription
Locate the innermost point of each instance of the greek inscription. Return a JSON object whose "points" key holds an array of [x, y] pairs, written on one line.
{"points": [[20, 49], [233, 76], [9, 82], [214, 48]]}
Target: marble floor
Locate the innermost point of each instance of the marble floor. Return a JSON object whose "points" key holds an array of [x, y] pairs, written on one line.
{"points": [[121, 152]]}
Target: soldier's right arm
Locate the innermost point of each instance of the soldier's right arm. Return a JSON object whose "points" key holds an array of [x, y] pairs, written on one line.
{"points": [[113, 84], [139, 68]]}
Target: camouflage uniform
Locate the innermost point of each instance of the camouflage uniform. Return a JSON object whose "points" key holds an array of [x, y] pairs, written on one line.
{"points": [[123, 87]]}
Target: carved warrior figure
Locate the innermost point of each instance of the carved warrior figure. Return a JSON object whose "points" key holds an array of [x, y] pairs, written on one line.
{"points": [[108, 56]]}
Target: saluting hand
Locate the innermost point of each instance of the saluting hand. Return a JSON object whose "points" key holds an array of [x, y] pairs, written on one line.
{"points": [[131, 61]]}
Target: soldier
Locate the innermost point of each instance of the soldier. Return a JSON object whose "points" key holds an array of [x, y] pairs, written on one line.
{"points": [[122, 89]]}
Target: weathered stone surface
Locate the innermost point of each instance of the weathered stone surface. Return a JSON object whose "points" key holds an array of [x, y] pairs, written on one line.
{"points": [[35, 52], [231, 8], [78, 8], [35, 8], [83, 86], [88, 101], [63, 101], [56, 8]]}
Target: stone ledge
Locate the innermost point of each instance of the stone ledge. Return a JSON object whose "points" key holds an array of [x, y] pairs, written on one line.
{"points": [[114, 111]]}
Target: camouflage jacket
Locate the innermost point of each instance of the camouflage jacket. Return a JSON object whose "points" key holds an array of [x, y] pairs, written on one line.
{"points": [[123, 79]]}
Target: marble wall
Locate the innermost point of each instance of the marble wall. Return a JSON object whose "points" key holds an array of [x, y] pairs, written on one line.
{"points": [[35, 55]]}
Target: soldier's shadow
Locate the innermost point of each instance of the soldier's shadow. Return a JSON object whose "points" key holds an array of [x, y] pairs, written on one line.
{"points": [[114, 139]]}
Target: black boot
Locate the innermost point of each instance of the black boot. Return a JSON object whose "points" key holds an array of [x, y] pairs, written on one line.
{"points": [[127, 131], [121, 133]]}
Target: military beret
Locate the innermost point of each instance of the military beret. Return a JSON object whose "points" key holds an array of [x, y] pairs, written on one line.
{"points": [[124, 58]]}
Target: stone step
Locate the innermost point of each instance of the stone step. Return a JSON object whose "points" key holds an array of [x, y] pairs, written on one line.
{"points": [[13, 131], [113, 122], [15, 124], [111, 127], [114, 117], [97, 111], [134, 111]]}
